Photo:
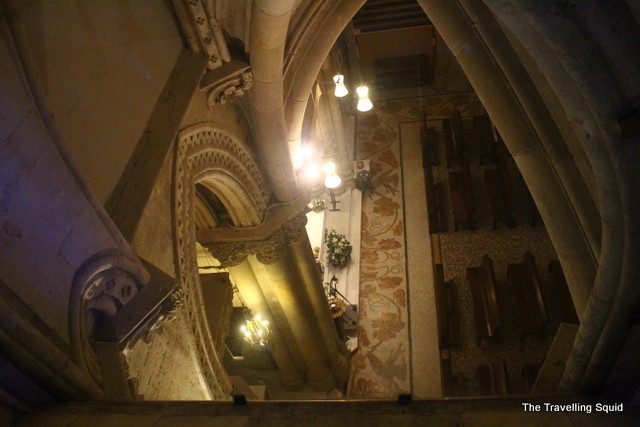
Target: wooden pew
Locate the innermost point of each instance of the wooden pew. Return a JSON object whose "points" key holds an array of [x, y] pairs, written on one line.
{"points": [[454, 141], [458, 133], [462, 200], [531, 207], [449, 144], [434, 193], [500, 194], [562, 293], [438, 216], [529, 375], [485, 139], [445, 309], [453, 384], [486, 313], [493, 378], [431, 154], [529, 304]]}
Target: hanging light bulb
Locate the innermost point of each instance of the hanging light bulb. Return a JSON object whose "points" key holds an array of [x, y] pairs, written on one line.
{"points": [[364, 103], [311, 171], [332, 181], [329, 168], [341, 89]]}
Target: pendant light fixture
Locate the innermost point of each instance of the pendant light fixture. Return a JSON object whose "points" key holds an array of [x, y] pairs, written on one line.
{"points": [[341, 89], [364, 103]]}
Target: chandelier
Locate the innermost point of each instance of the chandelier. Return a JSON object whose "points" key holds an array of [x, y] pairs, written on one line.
{"points": [[255, 330]]}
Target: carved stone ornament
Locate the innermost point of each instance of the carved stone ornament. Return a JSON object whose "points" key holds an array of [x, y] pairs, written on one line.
{"points": [[227, 83], [102, 285], [231, 254], [295, 229], [168, 312], [268, 251], [202, 148], [231, 88]]}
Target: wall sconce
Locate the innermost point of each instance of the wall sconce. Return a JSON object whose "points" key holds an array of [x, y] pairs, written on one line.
{"points": [[341, 89], [364, 103], [332, 180]]}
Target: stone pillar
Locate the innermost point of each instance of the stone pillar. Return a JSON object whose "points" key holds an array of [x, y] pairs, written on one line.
{"points": [[302, 256], [291, 376], [508, 114], [551, 140], [587, 52], [296, 308]]}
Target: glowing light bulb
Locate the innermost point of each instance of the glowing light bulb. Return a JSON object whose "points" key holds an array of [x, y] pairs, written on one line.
{"points": [[332, 181], [307, 151], [341, 89], [311, 171], [329, 168], [364, 103]]}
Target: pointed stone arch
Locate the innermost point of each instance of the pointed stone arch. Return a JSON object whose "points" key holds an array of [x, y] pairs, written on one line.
{"points": [[225, 165]]}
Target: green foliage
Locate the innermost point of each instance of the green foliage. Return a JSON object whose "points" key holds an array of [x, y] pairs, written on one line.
{"points": [[363, 181], [338, 248], [318, 205]]}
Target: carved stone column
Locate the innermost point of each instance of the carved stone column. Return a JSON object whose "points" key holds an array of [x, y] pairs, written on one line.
{"points": [[311, 281], [286, 285]]}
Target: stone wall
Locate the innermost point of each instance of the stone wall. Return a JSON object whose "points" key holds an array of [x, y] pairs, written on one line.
{"points": [[163, 366], [99, 66]]}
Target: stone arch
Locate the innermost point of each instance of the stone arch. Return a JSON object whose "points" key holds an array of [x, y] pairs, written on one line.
{"points": [[221, 162], [103, 283]]}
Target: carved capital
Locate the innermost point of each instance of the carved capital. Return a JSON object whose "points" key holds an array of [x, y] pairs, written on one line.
{"points": [[229, 253], [294, 229], [271, 250], [267, 251]]}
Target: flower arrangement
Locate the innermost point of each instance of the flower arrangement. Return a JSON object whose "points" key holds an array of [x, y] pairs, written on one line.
{"points": [[363, 181], [318, 205], [339, 249]]}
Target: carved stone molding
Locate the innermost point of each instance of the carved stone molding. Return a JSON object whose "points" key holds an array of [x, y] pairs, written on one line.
{"points": [[169, 311], [227, 83], [203, 150], [202, 31], [103, 284], [267, 251], [295, 229]]}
